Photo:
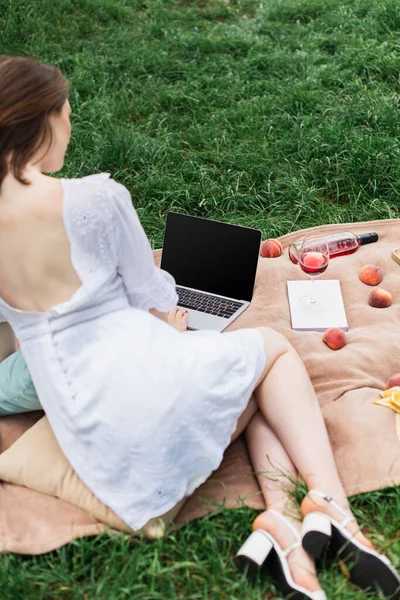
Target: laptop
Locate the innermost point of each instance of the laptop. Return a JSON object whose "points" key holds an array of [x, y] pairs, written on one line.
{"points": [[214, 265]]}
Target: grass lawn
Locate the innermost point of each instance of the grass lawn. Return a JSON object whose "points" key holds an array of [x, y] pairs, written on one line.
{"points": [[280, 114]]}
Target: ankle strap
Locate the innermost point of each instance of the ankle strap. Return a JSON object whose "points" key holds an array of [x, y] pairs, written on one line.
{"points": [[297, 543], [348, 518]]}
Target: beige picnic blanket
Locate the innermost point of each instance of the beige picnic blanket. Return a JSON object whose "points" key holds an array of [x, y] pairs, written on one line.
{"points": [[363, 435]]}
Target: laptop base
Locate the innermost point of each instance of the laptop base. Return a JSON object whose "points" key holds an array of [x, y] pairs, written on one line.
{"points": [[204, 321]]}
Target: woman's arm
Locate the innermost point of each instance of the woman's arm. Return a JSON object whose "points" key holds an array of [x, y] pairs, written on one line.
{"points": [[147, 286]]}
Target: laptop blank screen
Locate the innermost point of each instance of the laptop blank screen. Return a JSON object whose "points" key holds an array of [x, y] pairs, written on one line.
{"points": [[211, 256]]}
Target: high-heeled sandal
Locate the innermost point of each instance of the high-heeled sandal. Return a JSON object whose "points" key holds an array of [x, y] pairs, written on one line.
{"points": [[366, 567], [261, 549]]}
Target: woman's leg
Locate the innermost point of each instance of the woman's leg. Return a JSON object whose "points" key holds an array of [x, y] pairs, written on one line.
{"points": [[288, 403], [288, 433], [277, 476]]}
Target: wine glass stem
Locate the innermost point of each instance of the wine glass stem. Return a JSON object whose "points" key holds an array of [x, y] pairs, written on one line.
{"points": [[312, 296]]}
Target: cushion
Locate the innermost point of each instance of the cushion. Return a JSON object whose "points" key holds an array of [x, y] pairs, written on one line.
{"points": [[36, 461], [17, 392]]}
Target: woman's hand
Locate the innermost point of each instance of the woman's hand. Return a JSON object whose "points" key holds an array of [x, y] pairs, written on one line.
{"points": [[177, 318]]}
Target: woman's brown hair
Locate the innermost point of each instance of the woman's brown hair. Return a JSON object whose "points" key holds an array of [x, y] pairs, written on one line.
{"points": [[29, 94]]}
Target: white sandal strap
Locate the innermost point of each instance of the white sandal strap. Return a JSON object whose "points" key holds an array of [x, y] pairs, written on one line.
{"points": [[347, 518], [297, 543]]}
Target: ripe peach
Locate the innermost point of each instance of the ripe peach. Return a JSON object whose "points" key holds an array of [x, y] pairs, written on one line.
{"points": [[271, 249], [335, 338], [370, 274], [394, 381], [379, 298]]}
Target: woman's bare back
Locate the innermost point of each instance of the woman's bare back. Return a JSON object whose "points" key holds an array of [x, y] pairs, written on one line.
{"points": [[36, 272]]}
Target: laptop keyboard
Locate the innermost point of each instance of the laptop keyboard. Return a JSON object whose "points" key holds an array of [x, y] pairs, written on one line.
{"points": [[212, 305]]}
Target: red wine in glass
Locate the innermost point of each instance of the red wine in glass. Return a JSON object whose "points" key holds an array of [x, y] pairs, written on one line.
{"points": [[314, 263], [313, 260]]}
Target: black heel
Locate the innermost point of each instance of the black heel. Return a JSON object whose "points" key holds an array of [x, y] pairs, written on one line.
{"points": [[316, 533], [366, 567]]}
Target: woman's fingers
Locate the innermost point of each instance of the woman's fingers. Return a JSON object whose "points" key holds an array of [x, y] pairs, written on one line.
{"points": [[177, 318]]}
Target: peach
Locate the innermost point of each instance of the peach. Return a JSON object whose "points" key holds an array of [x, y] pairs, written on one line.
{"points": [[394, 381], [370, 274], [335, 338], [379, 298], [271, 249]]}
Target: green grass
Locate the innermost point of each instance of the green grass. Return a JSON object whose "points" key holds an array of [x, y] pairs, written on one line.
{"points": [[193, 563], [280, 114]]}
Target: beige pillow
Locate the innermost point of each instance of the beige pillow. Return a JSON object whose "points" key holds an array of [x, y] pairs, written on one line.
{"points": [[36, 461]]}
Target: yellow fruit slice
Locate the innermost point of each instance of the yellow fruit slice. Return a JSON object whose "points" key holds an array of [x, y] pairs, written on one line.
{"points": [[390, 399]]}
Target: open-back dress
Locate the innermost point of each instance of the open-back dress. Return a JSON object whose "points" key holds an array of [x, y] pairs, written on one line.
{"points": [[142, 411]]}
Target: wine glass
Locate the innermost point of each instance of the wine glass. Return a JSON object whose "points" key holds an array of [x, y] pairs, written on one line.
{"points": [[313, 260]]}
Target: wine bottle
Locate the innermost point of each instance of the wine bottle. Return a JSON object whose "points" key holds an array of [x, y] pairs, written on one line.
{"points": [[339, 244]]}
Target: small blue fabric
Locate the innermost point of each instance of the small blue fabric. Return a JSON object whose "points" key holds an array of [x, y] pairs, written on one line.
{"points": [[17, 392]]}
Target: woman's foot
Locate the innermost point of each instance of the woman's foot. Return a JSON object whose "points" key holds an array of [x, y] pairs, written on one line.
{"points": [[300, 563], [313, 502], [360, 562], [177, 318]]}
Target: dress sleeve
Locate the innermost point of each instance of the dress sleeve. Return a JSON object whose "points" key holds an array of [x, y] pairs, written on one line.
{"points": [[146, 285]]}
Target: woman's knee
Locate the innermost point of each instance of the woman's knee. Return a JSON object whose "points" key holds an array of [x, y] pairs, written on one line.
{"points": [[276, 345], [274, 342]]}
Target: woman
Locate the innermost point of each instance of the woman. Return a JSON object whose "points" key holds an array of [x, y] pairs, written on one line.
{"points": [[144, 412]]}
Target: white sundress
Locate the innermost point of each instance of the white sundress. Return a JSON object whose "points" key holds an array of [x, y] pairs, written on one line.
{"points": [[142, 412]]}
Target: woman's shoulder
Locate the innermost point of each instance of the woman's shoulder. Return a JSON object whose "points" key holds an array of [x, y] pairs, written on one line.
{"points": [[103, 183], [95, 203], [95, 178]]}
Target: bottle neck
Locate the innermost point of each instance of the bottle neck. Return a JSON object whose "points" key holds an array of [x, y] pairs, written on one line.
{"points": [[367, 238]]}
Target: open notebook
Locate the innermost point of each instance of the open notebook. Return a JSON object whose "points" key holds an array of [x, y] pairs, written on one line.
{"points": [[332, 313]]}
